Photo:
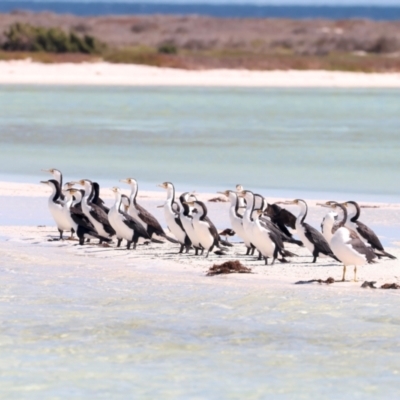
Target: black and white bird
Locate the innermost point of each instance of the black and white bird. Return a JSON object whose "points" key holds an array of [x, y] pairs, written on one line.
{"points": [[125, 226], [236, 217], [172, 217], [312, 239], [268, 242], [96, 215], [57, 207], [205, 230], [144, 217], [348, 247], [365, 233], [81, 225], [186, 217], [330, 223]]}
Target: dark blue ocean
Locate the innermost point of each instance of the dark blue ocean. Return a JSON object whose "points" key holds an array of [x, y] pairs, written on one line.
{"points": [[93, 8]]}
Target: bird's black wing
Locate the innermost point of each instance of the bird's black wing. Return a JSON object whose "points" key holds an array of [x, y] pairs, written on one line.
{"points": [[369, 235], [100, 203], [317, 238], [282, 218], [134, 225], [82, 220], [358, 245], [100, 215], [150, 220], [213, 230]]}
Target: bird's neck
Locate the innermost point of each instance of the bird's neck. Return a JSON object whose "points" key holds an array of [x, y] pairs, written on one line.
{"points": [[303, 212]]}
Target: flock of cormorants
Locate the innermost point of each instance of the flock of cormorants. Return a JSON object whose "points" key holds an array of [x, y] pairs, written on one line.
{"points": [[262, 226]]}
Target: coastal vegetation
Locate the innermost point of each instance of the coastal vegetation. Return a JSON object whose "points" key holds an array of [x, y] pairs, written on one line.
{"points": [[25, 37], [200, 42]]}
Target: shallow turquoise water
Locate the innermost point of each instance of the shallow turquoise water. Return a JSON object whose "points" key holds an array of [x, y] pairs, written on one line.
{"points": [[336, 140]]}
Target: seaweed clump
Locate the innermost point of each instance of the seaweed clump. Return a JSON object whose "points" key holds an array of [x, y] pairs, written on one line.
{"points": [[329, 281], [228, 267], [390, 286]]}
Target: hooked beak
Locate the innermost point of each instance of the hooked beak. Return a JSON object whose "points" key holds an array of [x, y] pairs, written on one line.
{"points": [[161, 186], [189, 203], [46, 170], [45, 182]]}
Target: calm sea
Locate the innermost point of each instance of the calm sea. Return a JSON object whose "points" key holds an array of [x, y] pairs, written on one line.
{"points": [[285, 141], [385, 10]]}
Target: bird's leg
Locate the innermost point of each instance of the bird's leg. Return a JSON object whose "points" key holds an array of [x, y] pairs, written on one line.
{"points": [[61, 234], [187, 249], [248, 251], [119, 241], [72, 233], [344, 273], [202, 251], [259, 256], [81, 240], [266, 260], [196, 253], [252, 251], [134, 245], [128, 245], [315, 254], [181, 249], [355, 273], [208, 252]]}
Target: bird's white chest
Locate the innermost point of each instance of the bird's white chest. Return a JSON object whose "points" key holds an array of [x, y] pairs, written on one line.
{"points": [[187, 224], [343, 250], [172, 225], [262, 240], [202, 230], [58, 213], [116, 220]]}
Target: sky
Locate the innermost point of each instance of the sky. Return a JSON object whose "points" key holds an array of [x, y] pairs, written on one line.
{"points": [[274, 2]]}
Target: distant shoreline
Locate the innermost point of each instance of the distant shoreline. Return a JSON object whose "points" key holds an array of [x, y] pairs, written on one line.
{"points": [[101, 73], [331, 12]]}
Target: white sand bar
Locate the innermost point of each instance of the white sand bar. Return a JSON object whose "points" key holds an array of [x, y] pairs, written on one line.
{"points": [[101, 73]]}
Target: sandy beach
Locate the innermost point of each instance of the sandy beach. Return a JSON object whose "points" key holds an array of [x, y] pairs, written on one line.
{"points": [[101, 73], [39, 236]]}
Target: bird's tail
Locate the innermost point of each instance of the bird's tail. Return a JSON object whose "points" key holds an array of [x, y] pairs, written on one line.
{"points": [[225, 243], [383, 253], [95, 235], [170, 239], [287, 253], [333, 256], [298, 242]]}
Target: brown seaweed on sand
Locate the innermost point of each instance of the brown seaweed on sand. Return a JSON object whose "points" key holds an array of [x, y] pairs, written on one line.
{"points": [[328, 281], [218, 200], [369, 284], [390, 286], [228, 267]]}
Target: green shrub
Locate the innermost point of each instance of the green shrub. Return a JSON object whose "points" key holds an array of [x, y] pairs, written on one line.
{"points": [[25, 37], [167, 48]]}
